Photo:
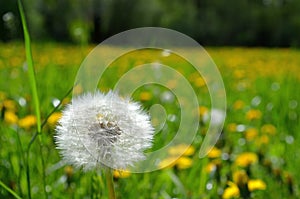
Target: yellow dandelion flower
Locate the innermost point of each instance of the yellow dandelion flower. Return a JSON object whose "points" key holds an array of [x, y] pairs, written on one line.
{"points": [[253, 114], [10, 105], [193, 76], [69, 171], [121, 174], [210, 167], [10, 117], [246, 159], [214, 153], [231, 192], [232, 127], [199, 82], [213, 165], [268, 129], [144, 96], [251, 133], [181, 149], [203, 111], [264, 139], [239, 74], [27, 122], [167, 162], [240, 177], [239, 104], [52, 120], [184, 162], [256, 184]]}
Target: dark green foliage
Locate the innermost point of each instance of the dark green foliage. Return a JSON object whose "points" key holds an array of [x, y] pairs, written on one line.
{"points": [[210, 22]]}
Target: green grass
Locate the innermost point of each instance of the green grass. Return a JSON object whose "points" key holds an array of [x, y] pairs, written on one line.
{"points": [[36, 102], [271, 75]]}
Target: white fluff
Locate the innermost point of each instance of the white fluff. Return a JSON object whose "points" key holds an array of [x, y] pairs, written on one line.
{"points": [[103, 129]]}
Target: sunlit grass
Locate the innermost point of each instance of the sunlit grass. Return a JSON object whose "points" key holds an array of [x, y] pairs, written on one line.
{"points": [[257, 153]]}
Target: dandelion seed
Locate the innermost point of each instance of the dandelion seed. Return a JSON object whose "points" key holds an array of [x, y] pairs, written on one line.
{"points": [[99, 130]]}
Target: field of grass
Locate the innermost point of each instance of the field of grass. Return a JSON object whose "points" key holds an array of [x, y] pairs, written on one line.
{"points": [[257, 155]]}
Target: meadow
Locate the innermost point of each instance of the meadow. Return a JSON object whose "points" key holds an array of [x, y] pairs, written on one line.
{"points": [[257, 155]]}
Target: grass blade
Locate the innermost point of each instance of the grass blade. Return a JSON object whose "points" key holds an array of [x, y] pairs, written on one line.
{"points": [[33, 86], [31, 72], [9, 190]]}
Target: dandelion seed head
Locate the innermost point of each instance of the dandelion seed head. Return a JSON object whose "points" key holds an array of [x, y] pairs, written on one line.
{"points": [[99, 130]]}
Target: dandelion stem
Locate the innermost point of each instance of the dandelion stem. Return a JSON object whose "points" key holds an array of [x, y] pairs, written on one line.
{"points": [[110, 184]]}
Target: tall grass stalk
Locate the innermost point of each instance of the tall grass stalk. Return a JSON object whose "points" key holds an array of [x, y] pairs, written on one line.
{"points": [[33, 87], [31, 72]]}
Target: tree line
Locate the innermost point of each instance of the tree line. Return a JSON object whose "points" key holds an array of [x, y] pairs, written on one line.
{"points": [[210, 22]]}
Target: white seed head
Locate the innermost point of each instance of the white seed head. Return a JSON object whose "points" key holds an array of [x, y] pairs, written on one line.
{"points": [[103, 130]]}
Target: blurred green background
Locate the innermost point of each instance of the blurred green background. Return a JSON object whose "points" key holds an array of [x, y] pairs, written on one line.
{"points": [[210, 22]]}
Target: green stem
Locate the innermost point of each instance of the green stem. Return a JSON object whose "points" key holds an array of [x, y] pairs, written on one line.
{"points": [[28, 176], [203, 177], [110, 184], [33, 87], [43, 171], [22, 161], [31, 72], [9, 190]]}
